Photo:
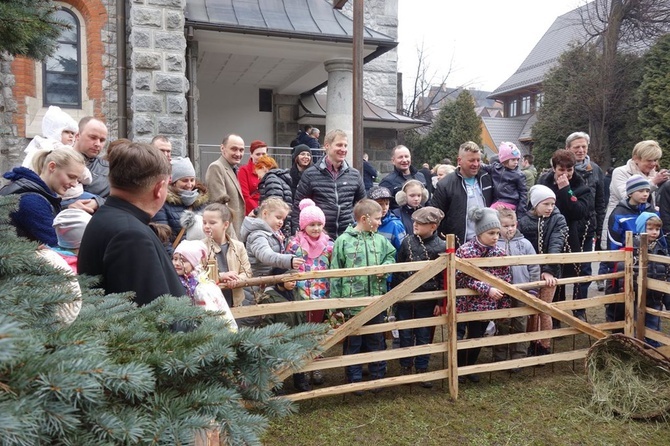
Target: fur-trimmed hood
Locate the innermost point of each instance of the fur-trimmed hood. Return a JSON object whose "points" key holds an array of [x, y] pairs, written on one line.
{"points": [[174, 198]]}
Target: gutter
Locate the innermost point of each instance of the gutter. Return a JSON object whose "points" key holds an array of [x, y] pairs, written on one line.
{"points": [[121, 87]]}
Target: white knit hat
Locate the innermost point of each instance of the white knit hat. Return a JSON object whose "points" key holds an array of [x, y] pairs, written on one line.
{"points": [[69, 225], [539, 193]]}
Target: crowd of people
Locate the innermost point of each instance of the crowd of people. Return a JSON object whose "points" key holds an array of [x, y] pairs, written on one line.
{"points": [[142, 221]]}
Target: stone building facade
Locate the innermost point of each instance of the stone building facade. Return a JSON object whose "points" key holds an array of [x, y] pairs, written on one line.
{"points": [[153, 67]]}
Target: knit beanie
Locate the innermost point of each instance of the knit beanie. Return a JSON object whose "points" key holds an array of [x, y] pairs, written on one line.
{"points": [[181, 168], [635, 183], [69, 225], [310, 213], [508, 151], [539, 193], [484, 219], [297, 150], [641, 221], [255, 145], [194, 251]]}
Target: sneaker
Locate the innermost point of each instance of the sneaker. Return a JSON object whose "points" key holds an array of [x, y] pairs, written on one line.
{"points": [[358, 392], [406, 370], [601, 285], [580, 314], [474, 378], [377, 390], [490, 329], [317, 377]]}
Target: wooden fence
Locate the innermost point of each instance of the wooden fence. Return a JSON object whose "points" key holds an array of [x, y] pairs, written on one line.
{"points": [[450, 345]]}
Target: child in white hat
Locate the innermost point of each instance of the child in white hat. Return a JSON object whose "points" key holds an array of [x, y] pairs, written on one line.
{"points": [[546, 229]]}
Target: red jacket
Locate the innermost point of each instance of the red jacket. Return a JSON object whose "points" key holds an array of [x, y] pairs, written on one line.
{"points": [[249, 186]]}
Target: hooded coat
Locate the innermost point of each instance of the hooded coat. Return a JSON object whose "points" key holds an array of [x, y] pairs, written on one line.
{"points": [[38, 206], [265, 248], [171, 212], [547, 235]]}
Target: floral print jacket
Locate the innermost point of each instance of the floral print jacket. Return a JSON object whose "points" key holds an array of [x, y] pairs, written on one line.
{"points": [[312, 288], [482, 302]]}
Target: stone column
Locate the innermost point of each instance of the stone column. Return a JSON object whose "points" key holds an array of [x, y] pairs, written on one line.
{"points": [[339, 113], [158, 72]]}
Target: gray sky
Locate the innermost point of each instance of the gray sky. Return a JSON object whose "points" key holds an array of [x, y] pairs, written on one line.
{"points": [[485, 40]]}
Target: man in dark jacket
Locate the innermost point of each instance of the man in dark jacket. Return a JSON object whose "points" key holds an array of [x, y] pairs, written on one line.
{"points": [[370, 174], [402, 172], [578, 143], [467, 187], [332, 184], [118, 243]]}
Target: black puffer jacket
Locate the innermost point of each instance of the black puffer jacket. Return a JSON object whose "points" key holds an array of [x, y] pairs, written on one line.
{"points": [[336, 198], [278, 183], [576, 202], [547, 235]]}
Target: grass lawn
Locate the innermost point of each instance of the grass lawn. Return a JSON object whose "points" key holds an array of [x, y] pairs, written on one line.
{"points": [[535, 407], [548, 405]]}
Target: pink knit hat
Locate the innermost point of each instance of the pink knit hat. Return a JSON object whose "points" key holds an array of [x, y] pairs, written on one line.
{"points": [[194, 251], [508, 151], [310, 213]]}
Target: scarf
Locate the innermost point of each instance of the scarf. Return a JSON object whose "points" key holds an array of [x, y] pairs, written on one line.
{"points": [[584, 165], [313, 247], [188, 197]]}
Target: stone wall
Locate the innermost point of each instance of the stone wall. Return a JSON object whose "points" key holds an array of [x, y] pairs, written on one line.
{"points": [[378, 144], [10, 143], [157, 67], [380, 78], [109, 101]]}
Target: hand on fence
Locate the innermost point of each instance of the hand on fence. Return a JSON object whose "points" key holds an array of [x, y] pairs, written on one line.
{"points": [[495, 293], [228, 279], [549, 279]]}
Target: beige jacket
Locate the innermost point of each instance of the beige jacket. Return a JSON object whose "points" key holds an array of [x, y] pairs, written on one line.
{"points": [[238, 261], [221, 180]]}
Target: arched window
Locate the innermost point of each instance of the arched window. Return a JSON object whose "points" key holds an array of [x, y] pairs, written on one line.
{"points": [[62, 71]]}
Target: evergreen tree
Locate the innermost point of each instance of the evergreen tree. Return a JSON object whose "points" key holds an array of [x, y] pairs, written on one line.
{"points": [[121, 375], [456, 123], [654, 94], [572, 102], [28, 28]]}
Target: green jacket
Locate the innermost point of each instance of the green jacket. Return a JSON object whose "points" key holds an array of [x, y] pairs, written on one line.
{"points": [[355, 249]]}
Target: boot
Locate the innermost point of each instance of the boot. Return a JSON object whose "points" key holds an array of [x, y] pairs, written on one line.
{"points": [[301, 383]]}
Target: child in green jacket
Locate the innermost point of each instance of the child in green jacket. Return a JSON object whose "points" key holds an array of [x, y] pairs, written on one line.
{"points": [[362, 246]]}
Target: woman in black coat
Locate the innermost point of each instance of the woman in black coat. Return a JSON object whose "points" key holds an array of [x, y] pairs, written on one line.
{"points": [[575, 200], [302, 159]]}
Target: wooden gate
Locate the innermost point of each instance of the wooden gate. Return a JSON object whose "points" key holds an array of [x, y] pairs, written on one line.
{"points": [[375, 305]]}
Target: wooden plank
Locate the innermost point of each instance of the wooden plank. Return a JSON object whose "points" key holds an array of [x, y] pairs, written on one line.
{"points": [[450, 284], [410, 284], [323, 304], [658, 285], [629, 292], [330, 273], [527, 311], [659, 259], [539, 259], [643, 264], [490, 341], [367, 385], [660, 313], [658, 336], [523, 362], [367, 357], [468, 268], [402, 325], [540, 283]]}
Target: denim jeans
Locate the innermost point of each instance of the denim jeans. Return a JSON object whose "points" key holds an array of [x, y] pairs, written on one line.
{"points": [[415, 336], [366, 343]]}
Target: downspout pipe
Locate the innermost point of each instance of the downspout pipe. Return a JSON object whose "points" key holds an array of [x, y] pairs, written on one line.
{"points": [[121, 87], [191, 54]]}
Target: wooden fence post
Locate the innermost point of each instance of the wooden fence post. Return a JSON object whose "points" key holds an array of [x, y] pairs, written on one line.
{"points": [[450, 285], [643, 264], [629, 292]]}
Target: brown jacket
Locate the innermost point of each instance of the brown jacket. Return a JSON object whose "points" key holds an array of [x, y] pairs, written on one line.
{"points": [[221, 180], [238, 261]]}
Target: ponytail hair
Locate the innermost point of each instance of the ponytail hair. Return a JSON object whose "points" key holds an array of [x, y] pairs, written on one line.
{"points": [[224, 211], [62, 157]]}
